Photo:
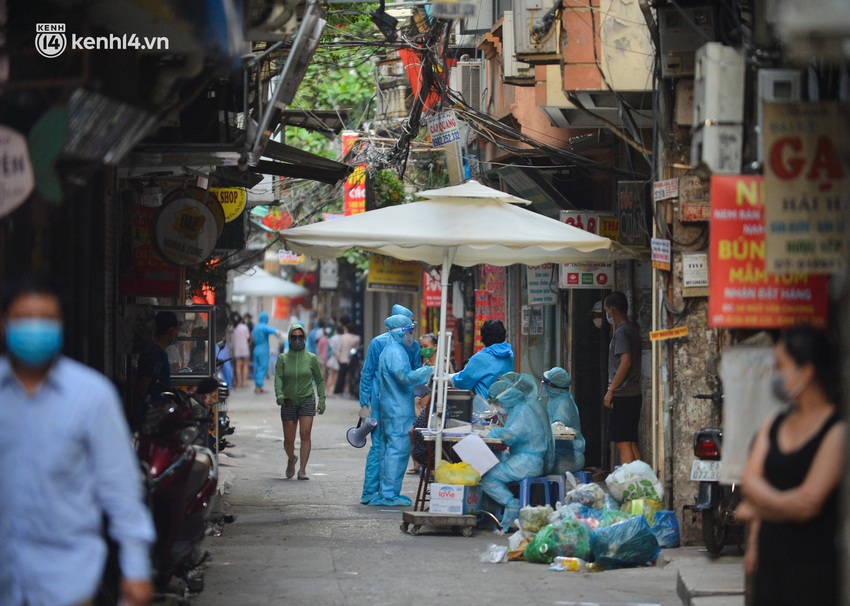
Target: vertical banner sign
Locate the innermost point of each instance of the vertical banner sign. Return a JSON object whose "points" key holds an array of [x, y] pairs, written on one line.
{"points": [[354, 188], [806, 185], [443, 128], [541, 285], [482, 314], [431, 288], [661, 254], [631, 206], [743, 294]]}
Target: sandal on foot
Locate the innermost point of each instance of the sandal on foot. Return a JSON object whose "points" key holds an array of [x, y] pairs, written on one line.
{"points": [[290, 468], [412, 472], [302, 475]]}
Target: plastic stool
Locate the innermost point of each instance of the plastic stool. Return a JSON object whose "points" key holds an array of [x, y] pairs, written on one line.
{"points": [[525, 488], [557, 489], [583, 477]]}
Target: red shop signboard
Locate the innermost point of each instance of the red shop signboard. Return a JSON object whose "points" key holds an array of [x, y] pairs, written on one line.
{"points": [[742, 293]]}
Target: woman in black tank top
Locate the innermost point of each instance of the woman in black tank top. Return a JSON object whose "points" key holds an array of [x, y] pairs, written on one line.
{"points": [[791, 481]]}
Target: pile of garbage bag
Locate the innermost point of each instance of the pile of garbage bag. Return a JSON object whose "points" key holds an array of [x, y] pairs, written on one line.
{"points": [[598, 531]]}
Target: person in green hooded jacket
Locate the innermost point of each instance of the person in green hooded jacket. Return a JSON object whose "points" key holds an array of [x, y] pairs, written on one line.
{"points": [[294, 375]]}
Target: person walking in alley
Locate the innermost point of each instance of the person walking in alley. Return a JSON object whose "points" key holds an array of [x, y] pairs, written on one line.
{"points": [[624, 397], [261, 334], [347, 341], [294, 375], [67, 461], [791, 482], [241, 352]]}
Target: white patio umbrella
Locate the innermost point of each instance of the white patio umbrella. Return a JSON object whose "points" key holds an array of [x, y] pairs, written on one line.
{"points": [[465, 225], [260, 283]]}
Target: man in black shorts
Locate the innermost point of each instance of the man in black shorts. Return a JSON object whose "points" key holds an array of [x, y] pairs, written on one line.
{"points": [[624, 396]]}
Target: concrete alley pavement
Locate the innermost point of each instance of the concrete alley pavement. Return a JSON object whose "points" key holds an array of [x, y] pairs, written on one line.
{"points": [[311, 542]]}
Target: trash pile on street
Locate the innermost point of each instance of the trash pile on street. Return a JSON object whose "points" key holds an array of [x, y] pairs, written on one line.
{"points": [[595, 530]]}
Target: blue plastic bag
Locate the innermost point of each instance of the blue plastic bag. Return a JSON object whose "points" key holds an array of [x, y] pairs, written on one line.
{"points": [[666, 529], [629, 543]]}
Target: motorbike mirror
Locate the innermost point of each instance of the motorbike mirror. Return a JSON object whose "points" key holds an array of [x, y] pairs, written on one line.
{"points": [[207, 386]]}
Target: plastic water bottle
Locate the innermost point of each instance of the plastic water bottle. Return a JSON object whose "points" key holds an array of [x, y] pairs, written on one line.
{"points": [[565, 563]]}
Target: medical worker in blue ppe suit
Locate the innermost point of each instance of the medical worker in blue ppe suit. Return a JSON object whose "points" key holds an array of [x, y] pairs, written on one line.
{"points": [[396, 379], [490, 363], [369, 398], [261, 334], [561, 406], [527, 435]]}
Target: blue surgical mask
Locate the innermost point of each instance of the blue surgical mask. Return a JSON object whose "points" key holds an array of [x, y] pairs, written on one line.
{"points": [[34, 341]]}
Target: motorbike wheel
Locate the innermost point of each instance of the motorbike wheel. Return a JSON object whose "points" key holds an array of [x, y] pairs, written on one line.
{"points": [[714, 527]]}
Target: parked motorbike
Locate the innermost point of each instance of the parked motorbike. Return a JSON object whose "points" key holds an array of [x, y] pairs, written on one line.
{"points": [[183, 477], [715, 503]]}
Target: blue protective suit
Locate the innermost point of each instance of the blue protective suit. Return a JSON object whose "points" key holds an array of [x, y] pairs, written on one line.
{"points": [[569, 454], [484, 368], [526, 433], [261, 348], [396, 379], [369, 390], [223, 353]]}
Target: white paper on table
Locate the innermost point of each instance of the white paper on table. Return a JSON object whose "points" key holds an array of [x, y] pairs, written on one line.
{"points": [[473, 450]]}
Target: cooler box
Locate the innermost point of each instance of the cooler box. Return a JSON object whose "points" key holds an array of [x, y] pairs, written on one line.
{"points": [[455, 499], [459, 404]]}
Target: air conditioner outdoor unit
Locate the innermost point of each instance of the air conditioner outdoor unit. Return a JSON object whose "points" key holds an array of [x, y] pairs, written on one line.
{"points": [[536, 31], [682, 30], [465, 78], [513, 71]]}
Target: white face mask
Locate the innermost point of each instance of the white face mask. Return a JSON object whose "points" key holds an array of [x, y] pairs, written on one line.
{"points": [[610, 319], [597, 322]]}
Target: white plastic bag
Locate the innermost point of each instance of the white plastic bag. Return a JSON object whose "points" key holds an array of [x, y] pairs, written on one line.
{"points": [[634, 480]]}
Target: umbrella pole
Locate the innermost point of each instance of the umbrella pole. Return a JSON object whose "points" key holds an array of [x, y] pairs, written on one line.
{"points": [[441, 380]]}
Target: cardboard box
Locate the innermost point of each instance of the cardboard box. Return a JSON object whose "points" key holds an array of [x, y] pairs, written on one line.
{"points": [[455, 499]]}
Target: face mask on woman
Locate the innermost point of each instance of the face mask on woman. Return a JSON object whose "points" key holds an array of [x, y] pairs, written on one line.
{"points": [[426, 352], [777, 385]]}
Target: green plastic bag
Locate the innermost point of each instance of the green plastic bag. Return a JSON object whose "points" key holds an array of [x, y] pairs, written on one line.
{"points": [[612, 516], [571, 539], [462, 474], [539, 550], [643, 507]]}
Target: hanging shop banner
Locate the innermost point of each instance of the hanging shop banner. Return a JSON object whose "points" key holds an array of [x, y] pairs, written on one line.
{"points": [[388, 274], [482, 314], [443, 128], [16, 174], [631, 207], [532, 321], [431, 288], [150, 275], [540, 283], [454, 9], [806, 185], [589, 274], [232, 199], [354, 187], [329, 275], [660, 254], [281, 308], [493, 280], [287, 257], [743, 294], [188, 225]]}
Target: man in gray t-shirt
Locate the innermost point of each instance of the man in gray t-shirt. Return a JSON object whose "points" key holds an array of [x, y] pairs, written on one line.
{"points": [[624, 396]]}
